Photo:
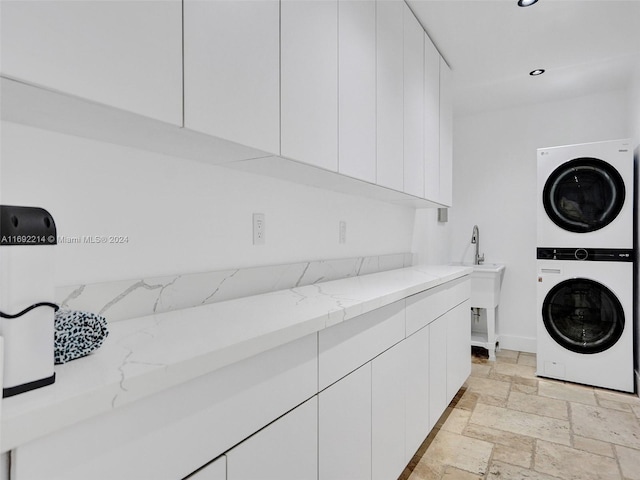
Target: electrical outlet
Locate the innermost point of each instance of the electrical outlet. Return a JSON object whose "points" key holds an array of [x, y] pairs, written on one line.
{"points": [[342, 235], [259, 226]]}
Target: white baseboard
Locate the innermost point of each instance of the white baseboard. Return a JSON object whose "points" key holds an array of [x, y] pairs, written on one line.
{"points": [[521, 344]]}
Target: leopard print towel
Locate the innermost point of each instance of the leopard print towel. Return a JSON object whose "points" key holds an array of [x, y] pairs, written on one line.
{"points": [[77, 334]]}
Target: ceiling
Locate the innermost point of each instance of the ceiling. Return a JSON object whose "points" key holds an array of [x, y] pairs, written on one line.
{"points": [[491, 46]]}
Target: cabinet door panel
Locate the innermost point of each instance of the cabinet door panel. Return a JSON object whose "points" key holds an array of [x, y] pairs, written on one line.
{"points": [[285, 450], [437, 369], [390, 94], [309, 81], [417, 392], [446, 135], [345, 428], [388, 413], [357, 88], [232, 70], [413, 104], [458, 348], [123, 54], [431, 121]]}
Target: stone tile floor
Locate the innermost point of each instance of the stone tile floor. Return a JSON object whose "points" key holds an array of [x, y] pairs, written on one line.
{"points": [[506, 423]]}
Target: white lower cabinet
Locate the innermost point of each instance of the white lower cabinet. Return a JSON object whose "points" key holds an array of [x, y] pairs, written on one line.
{"points": [[388, 413], [417, 388], [285, 450], [344, 413], [216, 470]]}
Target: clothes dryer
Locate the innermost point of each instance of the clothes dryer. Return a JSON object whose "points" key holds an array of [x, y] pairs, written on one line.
{"points": [[585, 195], [585, 316]]}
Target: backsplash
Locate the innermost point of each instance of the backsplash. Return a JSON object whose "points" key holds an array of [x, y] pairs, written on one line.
{"points": [[125, 299]]}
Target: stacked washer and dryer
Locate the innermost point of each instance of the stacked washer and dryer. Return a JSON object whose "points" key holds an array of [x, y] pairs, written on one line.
{"points": [[585, 264]]}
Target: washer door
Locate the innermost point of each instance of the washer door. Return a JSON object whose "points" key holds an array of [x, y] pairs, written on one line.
{"points": [[583, 316], [583, 195]]}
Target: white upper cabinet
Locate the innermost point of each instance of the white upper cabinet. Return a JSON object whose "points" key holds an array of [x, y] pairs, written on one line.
{"points": [[126, 54], [232, 70], [413, 104], [309, 81], [357, 89], [446, 135], [390, 93], [431, 121]]}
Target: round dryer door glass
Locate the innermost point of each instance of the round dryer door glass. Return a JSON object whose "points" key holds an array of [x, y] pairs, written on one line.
{"points": [[583, 195], [583, 316]]}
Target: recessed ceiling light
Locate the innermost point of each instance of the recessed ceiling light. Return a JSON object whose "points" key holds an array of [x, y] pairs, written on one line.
{"points": [[536, 72], [526, 3]]}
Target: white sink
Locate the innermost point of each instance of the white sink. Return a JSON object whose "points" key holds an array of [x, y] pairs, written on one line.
{"points": [[486, 281]]}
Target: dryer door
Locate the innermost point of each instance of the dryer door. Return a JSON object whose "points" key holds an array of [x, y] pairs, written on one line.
{"points": [[583, 195], [583, 316]]}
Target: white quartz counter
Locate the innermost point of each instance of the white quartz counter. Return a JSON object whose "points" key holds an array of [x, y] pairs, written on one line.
{"points": [[149, 354]]}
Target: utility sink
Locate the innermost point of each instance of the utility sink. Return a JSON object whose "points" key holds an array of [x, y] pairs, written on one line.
{"points": [[486, 281]]}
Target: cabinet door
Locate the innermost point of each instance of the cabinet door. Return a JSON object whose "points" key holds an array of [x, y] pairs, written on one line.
{"points": [[417, 391], [437, 369], [357, 89], [345, 428], [388, 413], [446, 135], [390, 93], [216, 470], [232, 70], [458, 348], [285, 450], [431, 121], [413, 104], [124, 54], [309, 76]]}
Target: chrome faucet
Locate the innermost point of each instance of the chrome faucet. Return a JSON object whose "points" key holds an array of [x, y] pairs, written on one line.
{"points": [[475, 238]]}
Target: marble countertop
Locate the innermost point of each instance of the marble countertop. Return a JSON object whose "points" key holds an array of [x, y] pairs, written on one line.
{"points": [[147, 355]]}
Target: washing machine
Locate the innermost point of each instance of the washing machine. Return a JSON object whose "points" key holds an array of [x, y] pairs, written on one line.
{"points": [[585, 195], [585, 316]]}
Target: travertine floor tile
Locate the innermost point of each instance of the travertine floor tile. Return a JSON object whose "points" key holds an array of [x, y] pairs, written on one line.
{"points": [[599, 423], [457, 420], [452, 473], [504, 471], [450, 449], [492, 392], [629, 460], [500, 437], [480, 370], [549, 407], [566, 391], [571, 464], [527, 359], [468, 400], [522, 423], [523, 388], [504, 355], [628, 398], [512, 455], [515, 370], [594, 446]]}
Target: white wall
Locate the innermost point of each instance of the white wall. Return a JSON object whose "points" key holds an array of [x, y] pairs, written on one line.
{"points": [[495, 188], [180, 216]]}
